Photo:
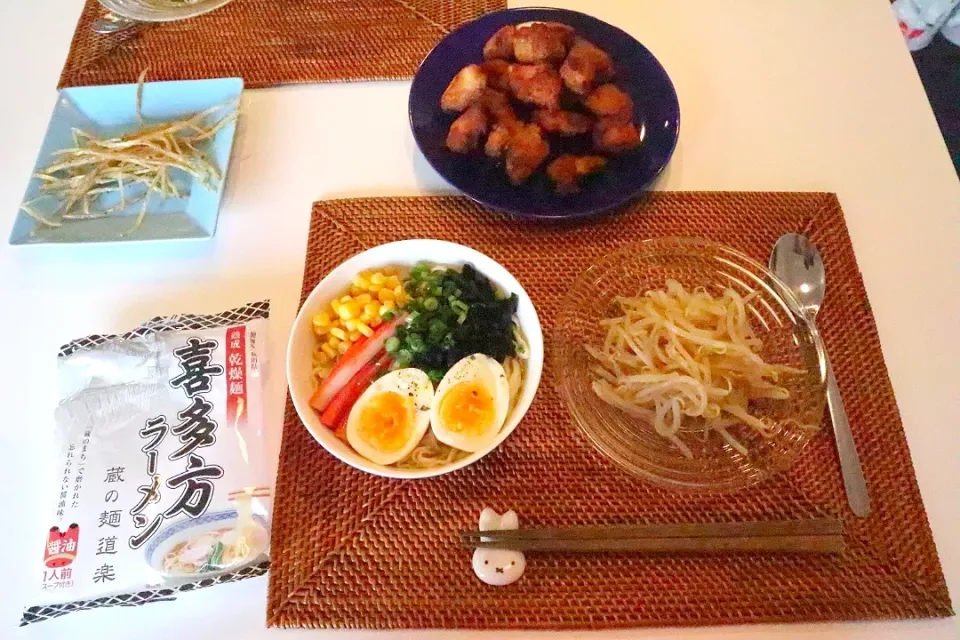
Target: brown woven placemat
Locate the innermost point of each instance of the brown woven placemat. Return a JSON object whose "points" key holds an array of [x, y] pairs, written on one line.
{"points": [[355, 550], [272, 42]]}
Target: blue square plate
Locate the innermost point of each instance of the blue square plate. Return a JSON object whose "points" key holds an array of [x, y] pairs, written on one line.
{"points": [[656, 112], [111, 110]]}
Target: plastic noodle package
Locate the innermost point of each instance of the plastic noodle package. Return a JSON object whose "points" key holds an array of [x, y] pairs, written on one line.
{"points": [[163, 485]]}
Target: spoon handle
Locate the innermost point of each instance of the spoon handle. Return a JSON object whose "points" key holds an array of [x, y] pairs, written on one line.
{"points": [[853, 480]]}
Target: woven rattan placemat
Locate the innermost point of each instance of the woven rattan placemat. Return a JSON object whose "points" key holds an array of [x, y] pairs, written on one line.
{"points": [[355, 550], [272, 42]]}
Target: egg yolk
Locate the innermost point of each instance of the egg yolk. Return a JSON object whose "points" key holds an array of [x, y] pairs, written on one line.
{"points": [[468, 408], [386, 421]]}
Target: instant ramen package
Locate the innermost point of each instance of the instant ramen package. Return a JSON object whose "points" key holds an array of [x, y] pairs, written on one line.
{"points": [[162, 483]]}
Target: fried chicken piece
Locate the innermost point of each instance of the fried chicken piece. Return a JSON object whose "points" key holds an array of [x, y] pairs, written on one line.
{"points": [[586, 66], [498, 106], [464, 89], [500, 44], [498, 141], [608, 101], [567, 170], [566, 123], [542, 42], [496, 71], [466, 131], [537, 84], [525, 152], [611, 135]]}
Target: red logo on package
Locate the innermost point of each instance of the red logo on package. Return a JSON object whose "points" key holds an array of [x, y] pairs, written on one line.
{"points": [[61, 547], [908, 32], [236, 376]]}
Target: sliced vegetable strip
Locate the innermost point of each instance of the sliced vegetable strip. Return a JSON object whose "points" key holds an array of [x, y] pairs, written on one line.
{"points": [[341, 403], [350, 363]]}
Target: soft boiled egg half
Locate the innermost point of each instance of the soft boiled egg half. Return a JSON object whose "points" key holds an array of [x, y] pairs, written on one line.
{"points": [[389, 419], [471, 403]]}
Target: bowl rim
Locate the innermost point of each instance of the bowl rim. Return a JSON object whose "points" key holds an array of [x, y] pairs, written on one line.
{"points": [[540, 13], [776, 287], [420, 248]]}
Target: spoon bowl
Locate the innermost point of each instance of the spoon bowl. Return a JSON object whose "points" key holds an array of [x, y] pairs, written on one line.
{"points": [[797, 262]]}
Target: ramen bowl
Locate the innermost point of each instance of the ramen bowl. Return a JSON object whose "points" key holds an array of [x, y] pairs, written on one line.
{"points": [[165, 549], [713, 463], [405, 253]]}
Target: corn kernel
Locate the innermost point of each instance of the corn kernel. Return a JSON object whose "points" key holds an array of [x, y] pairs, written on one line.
{"points": [[321, 331], [377, 278], [371, 308], [393, 281], [342, 347], [322, 319], [323, 357], [346, 298], [385, 294], [376, 321], [330, 351], [398, 292], [350, 325], [338, 332], [343, 312], [363, 298], [361, 282], [355, 290], [333, 341], [355, 335], [335, 305], [365, 329]]}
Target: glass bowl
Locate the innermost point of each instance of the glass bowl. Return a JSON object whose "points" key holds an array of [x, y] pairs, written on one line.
{"points": [[631, 442], [161, 10]]}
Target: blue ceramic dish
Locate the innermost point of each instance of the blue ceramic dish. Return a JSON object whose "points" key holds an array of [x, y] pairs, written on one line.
{"points": [[656, 113], [111, 110]]}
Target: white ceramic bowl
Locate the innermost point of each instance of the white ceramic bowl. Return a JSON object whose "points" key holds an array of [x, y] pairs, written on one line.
{"points": [[406, 252]]}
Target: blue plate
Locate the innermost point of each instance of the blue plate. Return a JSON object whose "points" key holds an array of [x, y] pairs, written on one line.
{"points": [[111, 110], [656, 112]]}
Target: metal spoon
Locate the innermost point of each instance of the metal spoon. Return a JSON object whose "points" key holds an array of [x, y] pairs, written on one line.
{"points": [[111, 23], [796, 261]]}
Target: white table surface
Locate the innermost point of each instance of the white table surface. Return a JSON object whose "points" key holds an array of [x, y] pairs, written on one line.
{"points": [[775, 94]]}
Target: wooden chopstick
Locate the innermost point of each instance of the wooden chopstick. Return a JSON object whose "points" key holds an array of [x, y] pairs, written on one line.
{"points": [[797, 536]]}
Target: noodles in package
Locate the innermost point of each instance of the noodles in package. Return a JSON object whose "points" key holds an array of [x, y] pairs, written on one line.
{"points": [[162, 482]]}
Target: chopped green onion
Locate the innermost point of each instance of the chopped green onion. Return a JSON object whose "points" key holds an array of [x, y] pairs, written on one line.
{"points": [[431, 304], [415, 342], [436, 375], [392, 344]]}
